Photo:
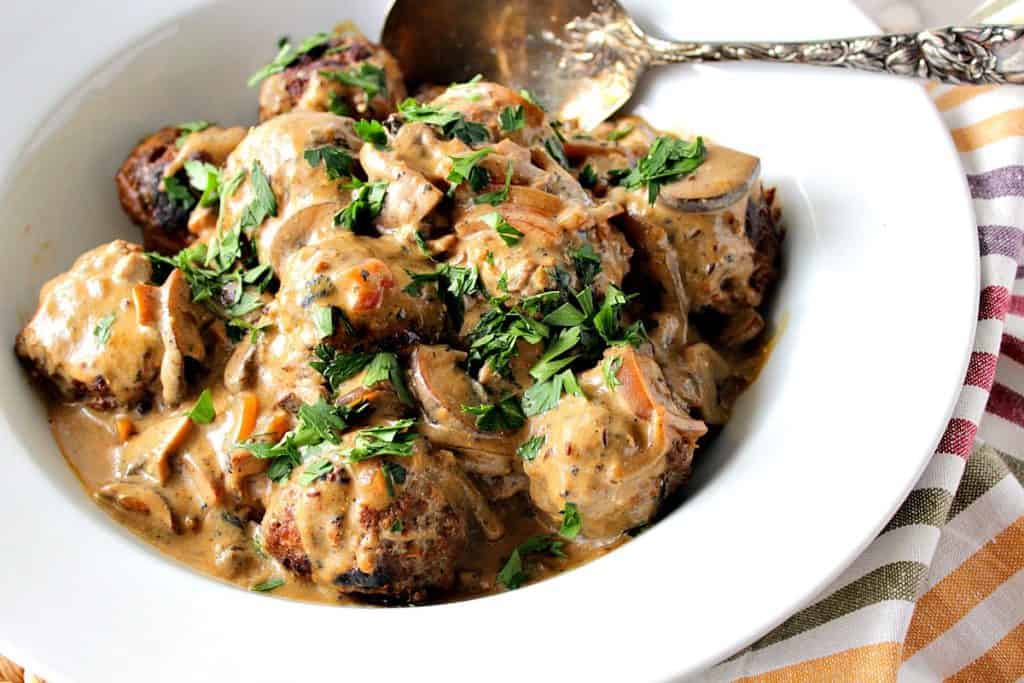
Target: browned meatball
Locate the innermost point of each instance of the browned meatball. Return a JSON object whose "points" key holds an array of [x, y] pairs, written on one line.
{"points": [[303, 86], [349, 531], [164, 220]]}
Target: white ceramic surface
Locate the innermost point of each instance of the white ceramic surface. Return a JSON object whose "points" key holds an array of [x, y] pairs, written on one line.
{"points": [[878, 305]]}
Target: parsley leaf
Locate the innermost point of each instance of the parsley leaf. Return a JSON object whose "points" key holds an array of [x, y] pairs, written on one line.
{"points": [[610, 370], [337, 162], [508, 233], [372, 132], [336, 366], [103, 328], [620, 133], [337, 105], [565, 315], [371, 79], [451, 123], [668, 160], [493, 340], [571, 522], [287, 54], [187, 128], [366, 204], [528, 96], [465, 168], [554, 147], [264, 203], [202, 412], [323, 319], [587, 263], [394, 439], [394, 475], [528, 449], [544, 396], [513, 574], [512, 118], [178, 192], [588, 176], [205, 178], [268, 585], [315, 470], [503, 281], [497, 196], [505, 415], [385, 368]]}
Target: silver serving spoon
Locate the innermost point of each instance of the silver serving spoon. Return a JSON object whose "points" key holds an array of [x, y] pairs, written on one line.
{"points": [[583, 58]]}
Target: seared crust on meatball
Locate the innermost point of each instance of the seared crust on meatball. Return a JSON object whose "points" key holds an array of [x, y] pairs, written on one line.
{"points": [[164, 222], [303, 86]]}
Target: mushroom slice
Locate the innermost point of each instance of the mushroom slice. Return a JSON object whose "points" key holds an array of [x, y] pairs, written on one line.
{"points": [[240, 369], [458, 486], [726, 177], [306, 226], [242, 464], [442, 388], [205, 475], [179, 329], [150, 451], [410, 197], [141, 500], [658, 259]]}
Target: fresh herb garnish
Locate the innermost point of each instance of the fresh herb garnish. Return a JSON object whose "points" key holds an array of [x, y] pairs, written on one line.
{"points": [[385, 368], [610, 370], [202, 412], [452, 124], [513, 574], [528, 96], [103, 327], [554, 147], [315, 470], [588, 176], [178, 192], [528, 449], [620, 133], [512, 118], [571, 522], [337, 162], [287, 54], [397, 526], [323, 320], [497, 196], [465, 168], [372, 132], [394, 475], [668, 160], [268, 585], [587, 263], [264, 203], [366, 204], [508, 233], [394, 439], [187, 128], [503, 282], [205, 178], [493, 340], [505, 415], [337, 366], [371, 79], [337, 105]]}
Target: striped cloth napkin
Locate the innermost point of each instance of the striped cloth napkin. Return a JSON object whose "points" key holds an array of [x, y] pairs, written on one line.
{"points": [[939, 595]]}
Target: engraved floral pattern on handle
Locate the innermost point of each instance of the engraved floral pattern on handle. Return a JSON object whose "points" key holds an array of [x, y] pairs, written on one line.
{"points": [[972, 55]]}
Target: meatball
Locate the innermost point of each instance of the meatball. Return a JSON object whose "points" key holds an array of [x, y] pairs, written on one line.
{"points": [[303, 85], [368, 532], [165, 221], [483, 102], [615, 453]]}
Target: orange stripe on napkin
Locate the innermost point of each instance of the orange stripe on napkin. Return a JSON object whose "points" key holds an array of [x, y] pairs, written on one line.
{"points": [[960, 94], [876, 662], [965, 587], [1004, 125], [1003, 662]]}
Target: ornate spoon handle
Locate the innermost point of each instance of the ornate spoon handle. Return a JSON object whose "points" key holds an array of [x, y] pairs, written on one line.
{"points": [[956, 54]]}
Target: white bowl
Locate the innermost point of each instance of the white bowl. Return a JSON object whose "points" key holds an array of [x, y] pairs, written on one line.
{"points": [[877, 311]]}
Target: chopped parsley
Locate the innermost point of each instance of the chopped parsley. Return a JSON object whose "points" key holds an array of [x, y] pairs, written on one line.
{"points": [[337, 366], [513, 574], [372, 132], [620, 133], [395, 439], [205, 178], [512, 118], [397, 526], [323, 319], [571, 522], [610, 369], [505, 415], [314, 470], [544, 396], [337, 105], [465, 168], [497, 196], [371, 79], [187, 128], [384, 367], [587, 263], [264, 203], [394, 475], [668, 160], [102, 329], [554, 147], [493, 340], [588, 176], [528, 449], [268, 585], [337, 162], [202, 412], [503, 281], [366, 204], [508, 233], [452, 124], [287, 54], [178, 192], [528, 96]]}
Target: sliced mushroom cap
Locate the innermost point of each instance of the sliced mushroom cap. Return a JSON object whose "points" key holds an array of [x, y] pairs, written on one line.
{"points": [[410, 198], [725, 177], [240, 370], [140, 500], [442, 388], [306, 226], [149, 452], [206, 477], [179, 329]]}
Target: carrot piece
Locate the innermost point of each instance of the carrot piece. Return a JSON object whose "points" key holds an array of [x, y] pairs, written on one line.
{"points": [[125, 427], [279, 423], [250, 410]]}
